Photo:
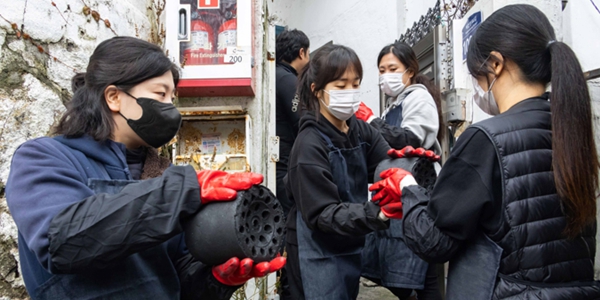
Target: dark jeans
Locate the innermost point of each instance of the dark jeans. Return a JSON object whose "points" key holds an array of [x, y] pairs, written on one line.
{"points": [[286, 205], [430, 290], [284, 285], [295, 290]]}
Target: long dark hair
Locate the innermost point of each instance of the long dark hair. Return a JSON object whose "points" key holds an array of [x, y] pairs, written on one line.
{"points": [[120, 61], [408, 58], [523, 34], [328, 64]]}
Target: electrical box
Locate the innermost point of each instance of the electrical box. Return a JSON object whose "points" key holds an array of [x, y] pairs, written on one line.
{"points": [[209, 141], [457, 105], [212, 41]]}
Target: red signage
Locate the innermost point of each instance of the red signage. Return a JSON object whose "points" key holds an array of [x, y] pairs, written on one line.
{"points": [[208, 4]]}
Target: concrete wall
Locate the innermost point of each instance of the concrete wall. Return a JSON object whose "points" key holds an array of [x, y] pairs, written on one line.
{"points": [[365, 26]]}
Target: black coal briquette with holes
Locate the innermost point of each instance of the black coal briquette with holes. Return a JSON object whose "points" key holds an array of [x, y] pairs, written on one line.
{"points": [[251, 226], [422, 170]]}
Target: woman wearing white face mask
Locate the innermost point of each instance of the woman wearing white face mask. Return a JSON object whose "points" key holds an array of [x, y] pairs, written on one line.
{"points": [[411, 118], [331, 163]]}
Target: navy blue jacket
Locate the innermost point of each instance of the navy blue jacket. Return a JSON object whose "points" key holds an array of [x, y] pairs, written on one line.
{"points": [[87, 230]]}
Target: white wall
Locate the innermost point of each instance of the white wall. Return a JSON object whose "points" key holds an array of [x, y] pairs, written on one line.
{"points": [[581, 25], [364, 26]]}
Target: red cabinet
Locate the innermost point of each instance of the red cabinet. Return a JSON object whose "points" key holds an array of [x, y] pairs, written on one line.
{"points": [[212, 41]]}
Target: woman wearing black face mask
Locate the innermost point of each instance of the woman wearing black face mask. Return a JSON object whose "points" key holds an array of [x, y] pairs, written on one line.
{"points": [[88, 227], [514, 207]]}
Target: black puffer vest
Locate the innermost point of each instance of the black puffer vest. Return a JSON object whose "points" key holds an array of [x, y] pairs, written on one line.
{"points": [[538, 262]]}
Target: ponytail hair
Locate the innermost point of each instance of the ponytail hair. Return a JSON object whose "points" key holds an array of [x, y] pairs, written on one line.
{"points": [[575, 161], [522, 34], [328, 64], [406, 55], [120, 61]]}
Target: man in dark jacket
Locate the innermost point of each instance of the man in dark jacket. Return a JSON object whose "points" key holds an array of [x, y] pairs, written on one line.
{"points": [[292, 56]]}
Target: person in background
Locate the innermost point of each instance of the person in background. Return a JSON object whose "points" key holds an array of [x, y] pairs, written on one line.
{"points": [[514, 207], [411, 118], [292, 55], [88, 226], [331, 164], [412, 115]]}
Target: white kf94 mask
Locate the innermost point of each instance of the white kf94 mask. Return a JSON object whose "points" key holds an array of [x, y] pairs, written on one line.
{"points": [[342, 103]]}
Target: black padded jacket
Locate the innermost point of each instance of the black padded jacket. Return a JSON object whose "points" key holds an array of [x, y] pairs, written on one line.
{"points": [[526, 219]]}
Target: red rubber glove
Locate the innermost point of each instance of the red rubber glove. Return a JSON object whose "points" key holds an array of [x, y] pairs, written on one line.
{"points": [[233, 272], [364, 112], [389, 194], [222, 186], [409, 151], [392, 210]]}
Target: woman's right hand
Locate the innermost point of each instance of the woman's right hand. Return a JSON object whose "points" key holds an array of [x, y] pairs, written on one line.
{"points": [[235, 272], [222, 186], [364, 113], [389, 191]]}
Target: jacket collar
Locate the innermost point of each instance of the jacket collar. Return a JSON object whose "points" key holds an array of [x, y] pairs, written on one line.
{"points": [[287, 67], [534, 103], [392, 103], [109, 153]]}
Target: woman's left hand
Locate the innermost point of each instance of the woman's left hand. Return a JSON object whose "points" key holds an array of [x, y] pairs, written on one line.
{"points": [[218, 185], [409, 151]]}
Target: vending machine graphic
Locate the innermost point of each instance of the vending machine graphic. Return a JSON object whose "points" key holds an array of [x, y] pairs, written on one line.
{"points": [[212, 42]]}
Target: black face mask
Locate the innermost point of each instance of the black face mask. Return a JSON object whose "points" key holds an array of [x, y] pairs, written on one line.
{"points": [[159, 122]]}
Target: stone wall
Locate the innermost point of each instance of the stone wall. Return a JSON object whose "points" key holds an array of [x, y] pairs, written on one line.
{"points": [[42, 44]]}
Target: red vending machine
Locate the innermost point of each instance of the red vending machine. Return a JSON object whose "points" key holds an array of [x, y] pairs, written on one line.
{"points": [[212, 41]]}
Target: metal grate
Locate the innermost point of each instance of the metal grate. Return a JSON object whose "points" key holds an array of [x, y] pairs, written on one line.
{"points": [[422, 27]]}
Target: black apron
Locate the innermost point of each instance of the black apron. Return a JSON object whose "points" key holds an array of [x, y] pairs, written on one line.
{"points": [[385, 256], [472, 273], [330, 264]]}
